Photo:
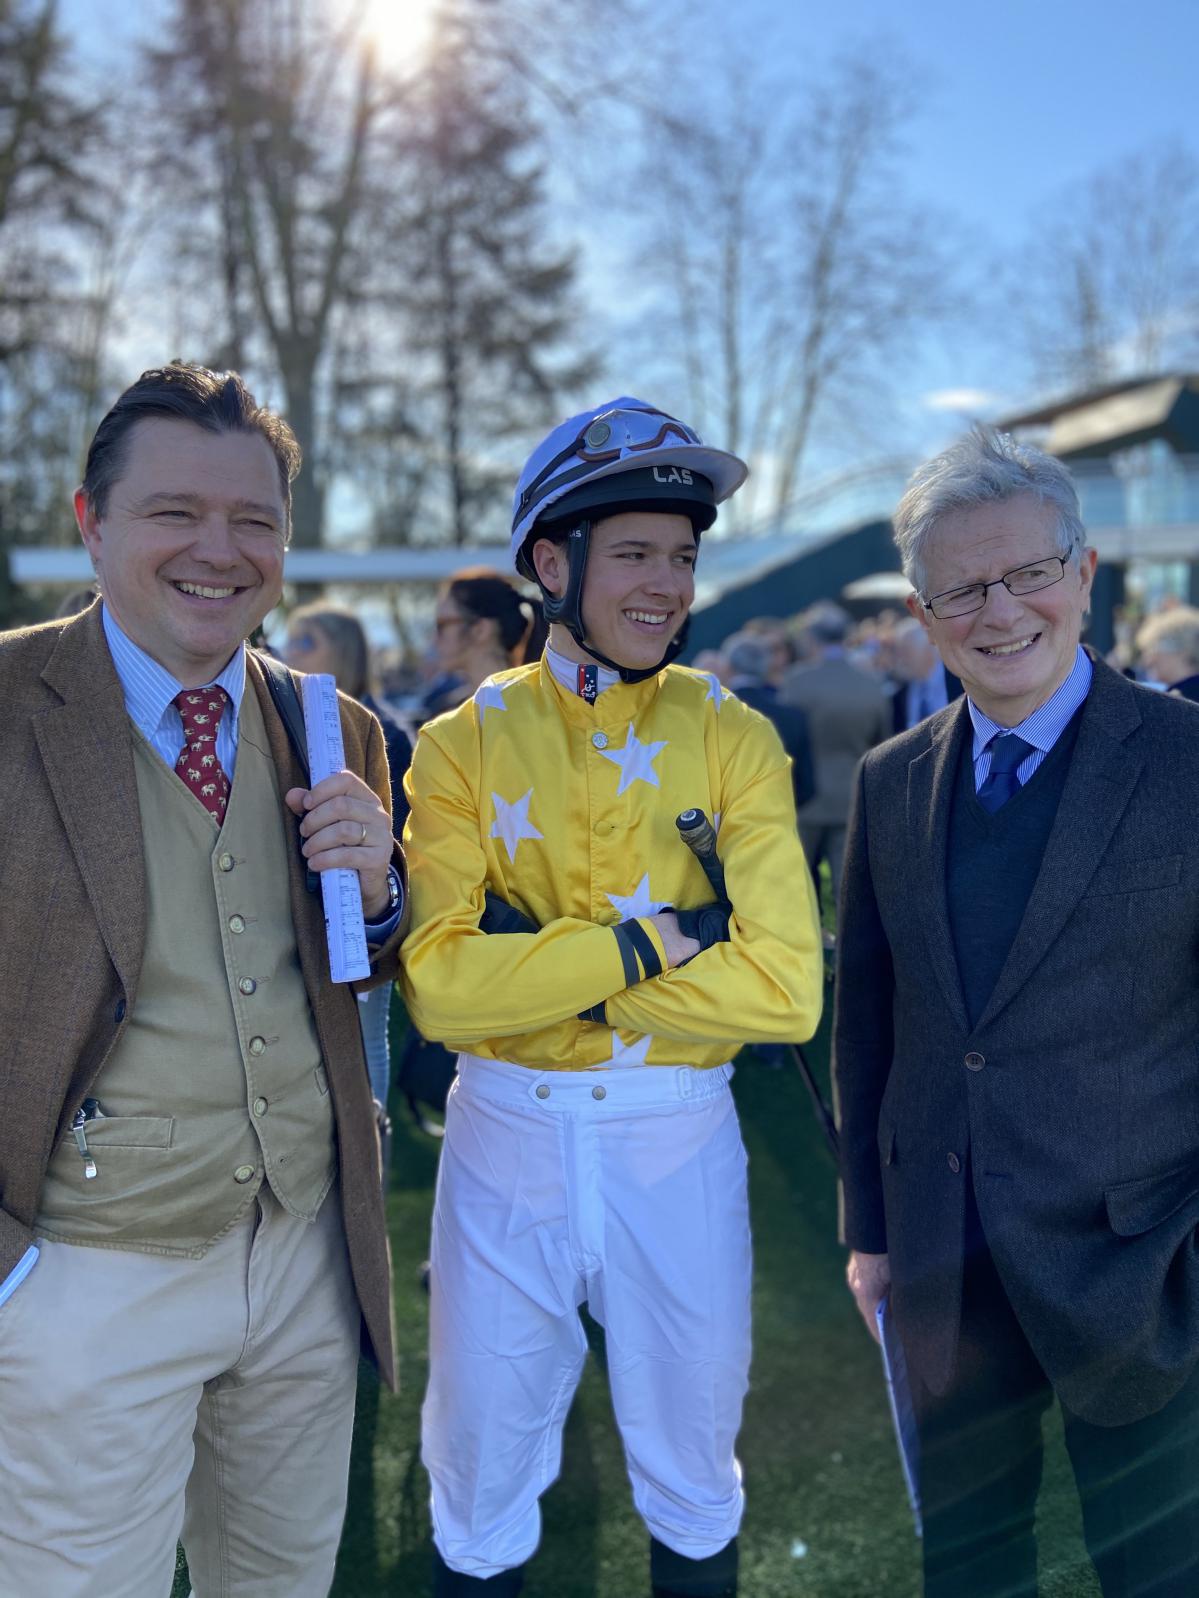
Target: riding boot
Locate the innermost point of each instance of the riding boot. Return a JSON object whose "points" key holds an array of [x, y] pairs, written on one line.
{"points": [[675, 1576], [449, 1583]]}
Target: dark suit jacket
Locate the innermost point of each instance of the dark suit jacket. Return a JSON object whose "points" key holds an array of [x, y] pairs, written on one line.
{"points": [[791, 724], [899, 699], [1074, 1100], [72, 884]]}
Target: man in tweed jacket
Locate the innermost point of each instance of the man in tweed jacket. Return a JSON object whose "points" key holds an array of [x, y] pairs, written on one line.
{"points": [[192, 1242], [1016, 1057]]}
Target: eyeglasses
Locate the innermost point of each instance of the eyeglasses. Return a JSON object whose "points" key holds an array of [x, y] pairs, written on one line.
{"points": [[608, 438], [1023, 580]]}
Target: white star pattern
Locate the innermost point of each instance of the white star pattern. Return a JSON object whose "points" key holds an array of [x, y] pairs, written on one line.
{"points": [[630, 1053], [638, 903], [636, 762], [715, 691], [489, 695], [512, 822]]}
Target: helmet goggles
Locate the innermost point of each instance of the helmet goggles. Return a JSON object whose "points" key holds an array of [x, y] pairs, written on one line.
{"points": [[609, 437]]}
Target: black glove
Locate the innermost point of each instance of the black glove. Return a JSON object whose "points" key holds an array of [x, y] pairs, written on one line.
{"points": [[500, 916], [708, 924]]}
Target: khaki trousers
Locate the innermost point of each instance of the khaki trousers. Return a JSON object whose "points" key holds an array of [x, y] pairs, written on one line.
{"points": [[144, 1399]]}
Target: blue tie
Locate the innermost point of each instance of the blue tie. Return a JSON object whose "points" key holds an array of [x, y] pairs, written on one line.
{"points": [[1007, 752]]}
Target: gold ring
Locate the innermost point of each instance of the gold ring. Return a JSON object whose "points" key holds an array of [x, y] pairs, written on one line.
{"points": [[362, 840]]}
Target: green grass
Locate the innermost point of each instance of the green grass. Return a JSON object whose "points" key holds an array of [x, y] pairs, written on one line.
{"points": [[820, 1464]]}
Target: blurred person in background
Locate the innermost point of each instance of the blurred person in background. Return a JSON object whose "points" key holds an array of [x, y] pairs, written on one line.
{"points": [[749, 657], [484, 624], [329, 638], [919, 683], [847, 713], [783, 651], [714, 662], [1168, 651]]}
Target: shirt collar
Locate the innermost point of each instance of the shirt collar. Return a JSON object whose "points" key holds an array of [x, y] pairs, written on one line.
{"points": [[150, 689], [567, 672], [1047, 722]]}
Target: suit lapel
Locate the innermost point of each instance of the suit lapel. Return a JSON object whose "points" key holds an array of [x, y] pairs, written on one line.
{"points": [[87, 751], [931, 778], [1099, 782]]}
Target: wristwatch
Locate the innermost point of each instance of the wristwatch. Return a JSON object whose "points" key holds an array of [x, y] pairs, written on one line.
{"points": [[395, 893]]}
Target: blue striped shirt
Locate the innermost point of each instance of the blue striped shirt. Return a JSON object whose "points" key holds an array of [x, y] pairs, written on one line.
{"points": [[1042, 729], [149, 690]]}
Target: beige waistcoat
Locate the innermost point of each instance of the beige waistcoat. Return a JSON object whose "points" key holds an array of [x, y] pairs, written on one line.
{"points": [[217, 1083]]}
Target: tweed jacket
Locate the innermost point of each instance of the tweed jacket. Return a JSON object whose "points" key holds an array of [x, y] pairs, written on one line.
{"points": [[1073, 1102], [72, 883]]}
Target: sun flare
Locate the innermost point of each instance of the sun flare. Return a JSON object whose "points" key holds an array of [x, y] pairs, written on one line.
{"points": [[401, 30]]}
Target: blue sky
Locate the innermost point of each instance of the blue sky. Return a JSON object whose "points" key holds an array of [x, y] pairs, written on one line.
{"points": [[1017, 100]]}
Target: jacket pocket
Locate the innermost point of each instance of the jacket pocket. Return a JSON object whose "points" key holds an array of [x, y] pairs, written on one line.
{"points": [[128, 1132], [1135, 876], [1138, 1206]]}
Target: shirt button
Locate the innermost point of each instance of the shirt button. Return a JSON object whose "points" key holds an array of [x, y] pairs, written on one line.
{"points": [[244, 1173], [955, 1164], [599, 1093], [603, 829], [974, 1062], [542, 1091], [257, 1045], [600, 740], [118, 1014], [237, 923], [259, 1106], [225, 862], [247, 985]]}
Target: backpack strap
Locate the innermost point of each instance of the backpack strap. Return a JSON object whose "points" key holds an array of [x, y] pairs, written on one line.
{"points": [[281, 683], [286, 696]]}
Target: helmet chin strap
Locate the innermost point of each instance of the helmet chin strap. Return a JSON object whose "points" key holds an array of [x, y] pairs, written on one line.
{"points": [[568, 610]]}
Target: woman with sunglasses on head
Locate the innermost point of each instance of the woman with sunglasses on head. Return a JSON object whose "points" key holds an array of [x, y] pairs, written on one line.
{"points": [[484, 624], [329, 638], [565, 939]]}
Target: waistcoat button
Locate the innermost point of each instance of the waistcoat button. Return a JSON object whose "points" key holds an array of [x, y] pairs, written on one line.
{"points": [[225, 862], [599, 1093], [257, 1045], [542, 1091], [247, 985], [974, 1062], [237, 923], [600, 740], [259, 1106], [955, 1164], [118, 1014], [244, 1173]]}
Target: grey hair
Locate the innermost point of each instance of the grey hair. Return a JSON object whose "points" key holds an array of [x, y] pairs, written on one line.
{"points": [[748, 654], [983, 468], [1176, 631]]}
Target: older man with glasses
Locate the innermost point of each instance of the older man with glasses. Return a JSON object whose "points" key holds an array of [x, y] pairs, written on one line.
{"points": [[1016, 1058]]}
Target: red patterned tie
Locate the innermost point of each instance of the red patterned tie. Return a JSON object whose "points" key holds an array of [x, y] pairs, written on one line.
{"points": [[197, 765]]}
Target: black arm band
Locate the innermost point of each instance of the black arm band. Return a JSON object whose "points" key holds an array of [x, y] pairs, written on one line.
{"points": [[596, 1013], [628, 954], [644, 945]]}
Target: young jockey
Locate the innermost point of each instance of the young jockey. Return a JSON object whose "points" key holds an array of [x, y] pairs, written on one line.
{"points": [[592, 1151]]}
